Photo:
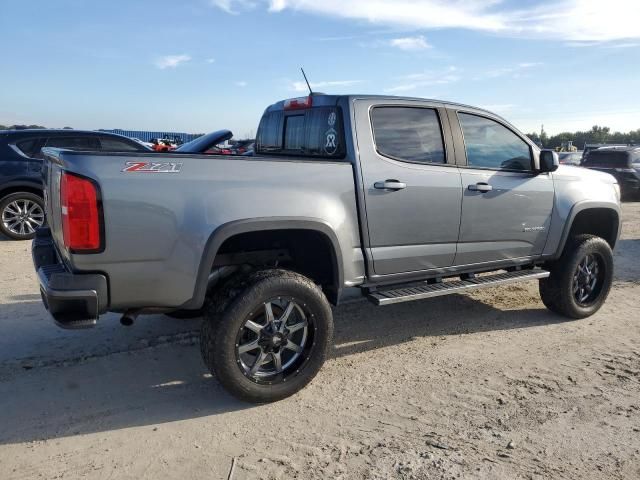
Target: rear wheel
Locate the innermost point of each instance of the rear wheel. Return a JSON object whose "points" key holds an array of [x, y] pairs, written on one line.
{"points": [[581, 279], [269, 338], [21, 214]]}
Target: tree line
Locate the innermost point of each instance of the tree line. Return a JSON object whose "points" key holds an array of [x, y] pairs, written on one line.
{"points": [[20, 127], [597, 134]]}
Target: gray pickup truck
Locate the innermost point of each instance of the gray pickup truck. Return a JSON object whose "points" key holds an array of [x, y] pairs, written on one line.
{"points": [[401, 198]]}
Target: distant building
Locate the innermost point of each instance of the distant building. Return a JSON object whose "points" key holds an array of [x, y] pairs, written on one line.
{"points": [[148, 136]]}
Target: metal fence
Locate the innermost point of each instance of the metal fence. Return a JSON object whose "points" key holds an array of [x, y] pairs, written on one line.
{"points": [[147, 136]]}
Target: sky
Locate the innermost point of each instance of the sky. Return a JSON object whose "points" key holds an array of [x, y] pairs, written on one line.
{"points": [[203, 65]]}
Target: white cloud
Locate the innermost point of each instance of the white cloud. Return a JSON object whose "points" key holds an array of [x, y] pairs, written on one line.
{"points": [[516, 71], [569, 20], [233, 7], [415, 81], [302, 86], [171, 61], [582, 44], [529, 64], [410, 43], [210, 60], [241, 83], [623, 45], [600, 44]]}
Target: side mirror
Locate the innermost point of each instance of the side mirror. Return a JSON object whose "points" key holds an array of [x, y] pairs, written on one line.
{"points": [[549, 161]]}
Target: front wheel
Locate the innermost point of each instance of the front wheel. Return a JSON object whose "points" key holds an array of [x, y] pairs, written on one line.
{"points": [[581, 279], [21, 214], [270, 339]]}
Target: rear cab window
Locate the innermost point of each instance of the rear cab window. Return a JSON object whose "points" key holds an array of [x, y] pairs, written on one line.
{"points": [[316, 131]]}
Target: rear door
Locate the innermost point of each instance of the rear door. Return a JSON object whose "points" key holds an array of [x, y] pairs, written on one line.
{"points": [[506, 205], [412, 188]]}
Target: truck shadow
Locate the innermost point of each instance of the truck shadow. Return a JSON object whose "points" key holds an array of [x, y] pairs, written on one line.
{"points": [[152, 386], [363, 326]]}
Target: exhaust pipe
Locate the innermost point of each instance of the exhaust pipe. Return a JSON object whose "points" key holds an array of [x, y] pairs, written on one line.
{"points": [[129, 317]]}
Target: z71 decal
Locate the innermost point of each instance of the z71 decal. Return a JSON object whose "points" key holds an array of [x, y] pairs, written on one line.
{"points": [[152, 167]]}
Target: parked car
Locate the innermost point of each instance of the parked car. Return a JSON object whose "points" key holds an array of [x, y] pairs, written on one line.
{"points": [[621, 162], [384, 194], [146, 144], [241, 147], [570, 158], [588, 147], [21, 204], [162, 145]]}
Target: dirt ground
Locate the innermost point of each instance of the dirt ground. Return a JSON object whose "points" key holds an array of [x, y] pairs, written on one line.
{"points": [[484, 385]]}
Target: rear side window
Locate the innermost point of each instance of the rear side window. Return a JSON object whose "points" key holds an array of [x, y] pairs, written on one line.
{"points": [[492, 145], [31, 147], [315, 132], [74, 143], [109, 144], [408, 133]]}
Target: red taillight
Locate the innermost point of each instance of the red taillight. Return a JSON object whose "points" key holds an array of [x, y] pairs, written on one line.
{"points": [[80, 214], [298, 103]]}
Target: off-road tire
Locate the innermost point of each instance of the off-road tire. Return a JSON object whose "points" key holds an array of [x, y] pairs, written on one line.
{"points": [[557, 292], [18, 196], [225, 313]]}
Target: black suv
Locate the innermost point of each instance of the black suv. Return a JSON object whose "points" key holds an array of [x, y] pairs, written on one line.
{"points": [[621, 162], [21, 205]]}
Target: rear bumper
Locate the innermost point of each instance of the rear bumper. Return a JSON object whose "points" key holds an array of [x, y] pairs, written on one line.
{"points": [[74, 300]]}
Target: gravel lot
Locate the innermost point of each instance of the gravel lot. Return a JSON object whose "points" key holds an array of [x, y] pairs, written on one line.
{"points": [[484, 385]]}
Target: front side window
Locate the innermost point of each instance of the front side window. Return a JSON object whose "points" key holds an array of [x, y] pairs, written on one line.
{"points": [[492, 145], [408, 133]]}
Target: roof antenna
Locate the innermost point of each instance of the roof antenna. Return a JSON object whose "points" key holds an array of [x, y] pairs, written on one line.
{"points": [[305, 79]]}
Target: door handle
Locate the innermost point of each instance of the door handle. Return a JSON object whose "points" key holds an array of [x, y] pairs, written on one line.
{"points": [[480, 187], [390, 184]]}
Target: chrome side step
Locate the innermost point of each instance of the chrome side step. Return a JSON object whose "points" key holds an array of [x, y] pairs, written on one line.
{"points": [[419, 291]]}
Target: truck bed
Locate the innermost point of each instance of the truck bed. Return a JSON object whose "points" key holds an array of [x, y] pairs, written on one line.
{"points": [[158, 225]]}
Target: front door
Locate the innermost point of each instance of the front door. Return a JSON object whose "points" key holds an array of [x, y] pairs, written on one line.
{"points": [[506, 205], [412, 188]]}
